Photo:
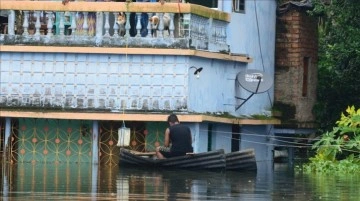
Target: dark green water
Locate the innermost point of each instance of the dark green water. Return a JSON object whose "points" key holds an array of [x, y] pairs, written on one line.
{"points": [[88, 182]]}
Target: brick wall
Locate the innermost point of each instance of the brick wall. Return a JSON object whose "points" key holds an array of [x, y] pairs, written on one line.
{"points": [[296, 39]]}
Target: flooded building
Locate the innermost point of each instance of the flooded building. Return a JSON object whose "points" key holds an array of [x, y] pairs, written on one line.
{"points": [[73, 74]]}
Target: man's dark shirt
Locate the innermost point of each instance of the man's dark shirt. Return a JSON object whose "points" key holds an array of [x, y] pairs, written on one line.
{"points": [[180, 138]]}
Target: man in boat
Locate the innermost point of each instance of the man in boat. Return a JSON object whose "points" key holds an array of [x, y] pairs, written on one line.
{"points": [[179, 136]]}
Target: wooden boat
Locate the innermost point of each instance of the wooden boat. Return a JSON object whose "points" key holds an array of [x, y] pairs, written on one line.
{"points": [[212, 160], [207, 160]]}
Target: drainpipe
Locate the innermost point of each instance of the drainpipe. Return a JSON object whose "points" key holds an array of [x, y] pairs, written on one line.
{"points": [[95, 159], [95, 144], [94, 181]]}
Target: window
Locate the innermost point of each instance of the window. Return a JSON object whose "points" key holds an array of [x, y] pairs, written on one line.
{"points": [[239, 6], [206, 3], [306, 64]]}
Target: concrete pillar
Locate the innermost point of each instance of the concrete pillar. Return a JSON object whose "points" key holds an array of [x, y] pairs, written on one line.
{"points": [[5, 183], [195, 135], [11, 23], [99, 25]]}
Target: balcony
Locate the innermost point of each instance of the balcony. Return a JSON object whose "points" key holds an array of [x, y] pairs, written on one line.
{"points": [[113, 25]]}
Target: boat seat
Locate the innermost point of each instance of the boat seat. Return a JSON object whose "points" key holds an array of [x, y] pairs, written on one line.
{"points": [[151, 153], [138, 153]]}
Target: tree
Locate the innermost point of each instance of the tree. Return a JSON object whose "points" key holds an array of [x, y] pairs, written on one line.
{"points": [[339, 58]]}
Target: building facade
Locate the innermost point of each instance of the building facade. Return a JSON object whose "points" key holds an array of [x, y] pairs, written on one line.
{"points": [[296, 59], [73, 74]]}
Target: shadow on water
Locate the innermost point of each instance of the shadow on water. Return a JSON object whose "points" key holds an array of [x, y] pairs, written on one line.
{"points": [[92, 182]]}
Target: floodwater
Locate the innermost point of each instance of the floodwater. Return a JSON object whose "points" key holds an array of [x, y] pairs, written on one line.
{"points": [[91, 182]]}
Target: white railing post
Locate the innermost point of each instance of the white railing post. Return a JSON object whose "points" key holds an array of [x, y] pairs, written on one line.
{"points": [[138, 25], [26, 23], [49, 25], [149, 27], [37, 24], [107, 25], [127, 26], [116, 26]]}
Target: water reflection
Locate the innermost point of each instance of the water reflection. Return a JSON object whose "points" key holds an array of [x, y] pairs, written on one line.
{"points": [[92, 182], [186, 185]]}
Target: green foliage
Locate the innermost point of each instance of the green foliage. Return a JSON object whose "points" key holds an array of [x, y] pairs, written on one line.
{"points": [[339, 149], [350, 165], [339, 58]]}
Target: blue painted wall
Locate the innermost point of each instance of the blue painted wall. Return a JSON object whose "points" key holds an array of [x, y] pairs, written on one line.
{"points": [[214, 91], [222, 137], [253, 33], [259, 138]]}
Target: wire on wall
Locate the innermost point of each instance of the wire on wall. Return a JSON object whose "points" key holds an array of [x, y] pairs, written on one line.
{"points": [[260, 49]]}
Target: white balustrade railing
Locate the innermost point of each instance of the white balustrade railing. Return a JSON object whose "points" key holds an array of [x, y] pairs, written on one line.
{"points": [[86, 22], [81, 25]]}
